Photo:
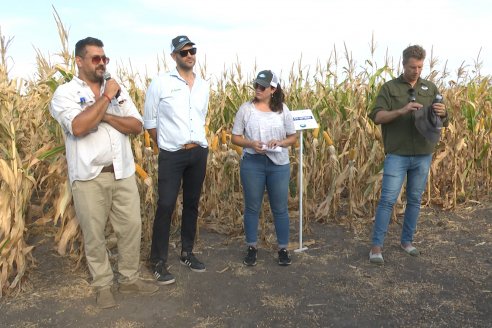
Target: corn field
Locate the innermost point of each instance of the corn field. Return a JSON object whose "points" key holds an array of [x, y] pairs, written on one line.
{"points": [[342, 159]]}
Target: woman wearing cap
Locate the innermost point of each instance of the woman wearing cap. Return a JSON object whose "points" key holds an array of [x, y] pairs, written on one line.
{"points": [[264, 128]]}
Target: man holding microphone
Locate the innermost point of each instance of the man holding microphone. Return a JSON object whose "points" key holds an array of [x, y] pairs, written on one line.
{"points": [[101, 168]]}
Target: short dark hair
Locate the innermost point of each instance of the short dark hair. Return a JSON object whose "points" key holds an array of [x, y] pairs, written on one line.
{"points": [[414, 51], [80, 50]]}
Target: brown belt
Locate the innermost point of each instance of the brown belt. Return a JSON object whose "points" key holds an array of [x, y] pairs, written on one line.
{"points": [[108, 169], [190, 145]]}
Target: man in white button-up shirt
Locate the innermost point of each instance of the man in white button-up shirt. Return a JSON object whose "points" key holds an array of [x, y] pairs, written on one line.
{"points": [[96, 116], [176, 105]]}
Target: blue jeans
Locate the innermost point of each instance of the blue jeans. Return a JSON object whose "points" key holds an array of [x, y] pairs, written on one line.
{"points": [[396, 167], [257, 172]]}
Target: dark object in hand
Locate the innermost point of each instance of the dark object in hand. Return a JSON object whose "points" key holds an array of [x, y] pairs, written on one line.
{"points": [[411, 95], [438, 99]]}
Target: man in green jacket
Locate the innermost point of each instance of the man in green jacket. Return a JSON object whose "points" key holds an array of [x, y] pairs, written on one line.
{"points": [[408, 152]]}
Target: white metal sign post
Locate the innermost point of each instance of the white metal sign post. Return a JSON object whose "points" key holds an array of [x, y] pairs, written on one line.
{"points": [[303, 120]]}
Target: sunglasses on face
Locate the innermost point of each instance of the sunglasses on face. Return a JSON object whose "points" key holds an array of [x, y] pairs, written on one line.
{"points": [[184, 53], [97, 59], [258, 86]]}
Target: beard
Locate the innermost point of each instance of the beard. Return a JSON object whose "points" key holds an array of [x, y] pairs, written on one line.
{"points": [[96, 75], [185, 65]]}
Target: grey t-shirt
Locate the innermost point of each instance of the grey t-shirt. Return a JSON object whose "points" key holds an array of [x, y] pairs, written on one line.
{"points": [[254, 124]]}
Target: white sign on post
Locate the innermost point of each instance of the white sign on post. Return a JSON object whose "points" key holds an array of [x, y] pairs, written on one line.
{"points": [[303, 119]]}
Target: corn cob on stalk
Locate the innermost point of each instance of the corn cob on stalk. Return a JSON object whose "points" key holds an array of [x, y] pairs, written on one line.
{"points": [[143, 175]]}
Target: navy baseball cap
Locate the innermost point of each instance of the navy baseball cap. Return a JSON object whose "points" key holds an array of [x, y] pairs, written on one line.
{"points": [[267, 78], [179, 42]]}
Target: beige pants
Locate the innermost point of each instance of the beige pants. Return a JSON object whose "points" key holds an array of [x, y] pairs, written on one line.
{"points": [[97, 200]]}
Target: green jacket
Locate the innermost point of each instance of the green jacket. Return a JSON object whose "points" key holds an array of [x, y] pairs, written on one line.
{"points": [[400, 136]]}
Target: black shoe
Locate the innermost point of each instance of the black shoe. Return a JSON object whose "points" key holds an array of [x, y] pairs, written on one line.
{"points": [[250, 259], [190, 260], [284, 257], [161, 274]]}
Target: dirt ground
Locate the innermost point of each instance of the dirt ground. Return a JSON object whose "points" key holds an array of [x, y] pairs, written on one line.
{"points": [[332, 284]]}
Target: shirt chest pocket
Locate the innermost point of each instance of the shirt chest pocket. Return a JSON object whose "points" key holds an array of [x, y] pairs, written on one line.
{"points": [[175, 99], [114, 108], [425, 97], [399, 98], [82, 101]]}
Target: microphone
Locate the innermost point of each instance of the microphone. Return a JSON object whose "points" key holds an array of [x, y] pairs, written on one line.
{"points": [[107, 76]]}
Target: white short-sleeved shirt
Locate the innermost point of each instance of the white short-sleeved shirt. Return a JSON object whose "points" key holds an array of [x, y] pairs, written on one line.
{"points": [[177, 112], [87, 155], [264, 126]]}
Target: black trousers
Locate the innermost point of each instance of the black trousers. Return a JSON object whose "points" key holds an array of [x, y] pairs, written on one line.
{"points": [[187, 166]]}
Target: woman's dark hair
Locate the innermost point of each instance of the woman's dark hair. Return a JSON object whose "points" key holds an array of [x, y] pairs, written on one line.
{"points": [[277, 101]]}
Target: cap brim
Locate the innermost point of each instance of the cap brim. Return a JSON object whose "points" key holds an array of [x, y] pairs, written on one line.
{"points": [[263, 83]]}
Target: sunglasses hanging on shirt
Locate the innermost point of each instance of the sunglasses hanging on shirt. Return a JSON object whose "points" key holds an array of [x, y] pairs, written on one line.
{"points": [[411, 95]]}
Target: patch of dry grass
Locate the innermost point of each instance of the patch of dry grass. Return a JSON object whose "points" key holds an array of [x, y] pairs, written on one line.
{"points": [[209, 322], [278, 301], [122, 323], [240, 270], [77, 289], [25, 324]]}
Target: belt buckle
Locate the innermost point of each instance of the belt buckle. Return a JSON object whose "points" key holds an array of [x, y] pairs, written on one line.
{"points": [[190, 145], [108, 169]]}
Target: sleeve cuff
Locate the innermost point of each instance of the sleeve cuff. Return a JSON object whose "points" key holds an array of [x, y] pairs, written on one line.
{"points": [[150, 124]]}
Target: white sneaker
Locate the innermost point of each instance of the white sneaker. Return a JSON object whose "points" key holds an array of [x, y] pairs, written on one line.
{"points": [[376, 258]]}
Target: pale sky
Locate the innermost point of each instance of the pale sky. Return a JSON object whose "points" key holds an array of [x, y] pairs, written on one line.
{"points": [[273, 34]]}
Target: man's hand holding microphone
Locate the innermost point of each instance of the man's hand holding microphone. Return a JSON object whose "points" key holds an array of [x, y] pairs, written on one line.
{"points": [[112, 88]]}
